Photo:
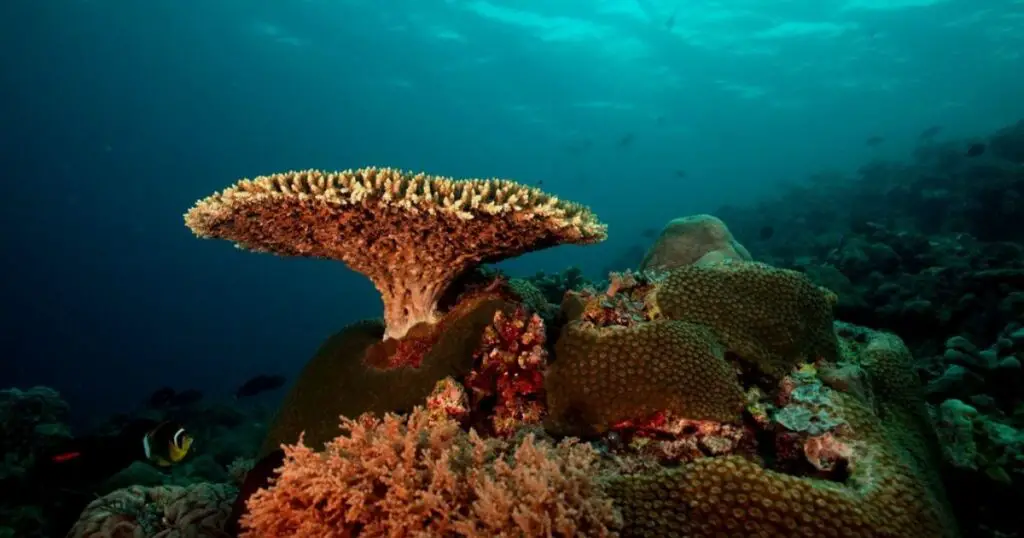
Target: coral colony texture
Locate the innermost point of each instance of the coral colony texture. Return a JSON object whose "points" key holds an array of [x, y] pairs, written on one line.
{"points": [[412, 235], [707, 395], [699, 393]]}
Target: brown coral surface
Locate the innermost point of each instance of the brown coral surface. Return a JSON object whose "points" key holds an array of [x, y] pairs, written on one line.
{"points": [[341, 379], [604, 376], [411, 234], [892, 489], [773, 318]]}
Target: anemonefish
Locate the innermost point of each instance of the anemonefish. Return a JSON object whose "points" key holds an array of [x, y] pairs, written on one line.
{"points": [[90, 459], [166, 444]]}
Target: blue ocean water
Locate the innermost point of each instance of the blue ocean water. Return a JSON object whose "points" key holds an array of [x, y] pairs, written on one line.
{"points": [[117, 115]]}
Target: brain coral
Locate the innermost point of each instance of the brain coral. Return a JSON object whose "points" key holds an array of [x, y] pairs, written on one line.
{"points": [[196, 511], [891, 490], [693, 239], [773, 318], [411, 234], [603, 376]]}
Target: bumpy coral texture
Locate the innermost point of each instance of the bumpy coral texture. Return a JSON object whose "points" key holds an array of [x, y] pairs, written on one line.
{"points": [[773, 318], [195, 511], [696, 239], [411, 234], [340, 367], [891, 491], [604, 376], [420, 476], [509, 369]]}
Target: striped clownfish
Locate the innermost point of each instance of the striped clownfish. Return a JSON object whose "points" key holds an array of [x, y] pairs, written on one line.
{"points": [[166, 444], [93, 458]]}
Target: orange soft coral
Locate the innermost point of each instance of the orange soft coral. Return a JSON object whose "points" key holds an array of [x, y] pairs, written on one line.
{"points": [[423, 476]]}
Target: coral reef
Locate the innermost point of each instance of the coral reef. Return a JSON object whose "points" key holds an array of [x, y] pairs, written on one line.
{"points": [[36, 502], [411, 234], [930, 250], [889, 487], [554, 286], [198, 510], [704, 395], [424, 475], [30, 420]]}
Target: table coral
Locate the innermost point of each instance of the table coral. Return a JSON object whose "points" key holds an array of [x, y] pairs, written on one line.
{"points": [[412, 235]]}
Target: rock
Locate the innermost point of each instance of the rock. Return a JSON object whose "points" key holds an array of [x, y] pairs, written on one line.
{"points": [[1002, 344], [955, 427], [828, 276], [988, 359], [960, 343], [1013, 304], [956, 356], [984, 402], [1009, 365], [917, 307], [693, 239], [955, 381], [137, 474]]}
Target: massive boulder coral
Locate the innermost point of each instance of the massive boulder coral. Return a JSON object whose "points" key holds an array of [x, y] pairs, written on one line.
{"points": [[696, 239], [890, 487], [411, 234], [609, 375], [834, 441], [771, 317]]}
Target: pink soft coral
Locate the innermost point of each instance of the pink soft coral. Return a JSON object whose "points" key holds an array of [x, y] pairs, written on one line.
{"points": [[423, 476], [509, 369]]}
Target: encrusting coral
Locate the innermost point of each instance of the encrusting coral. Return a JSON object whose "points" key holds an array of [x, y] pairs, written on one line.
{"points": [[196, 511], [411, 234], [422, 475]]}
